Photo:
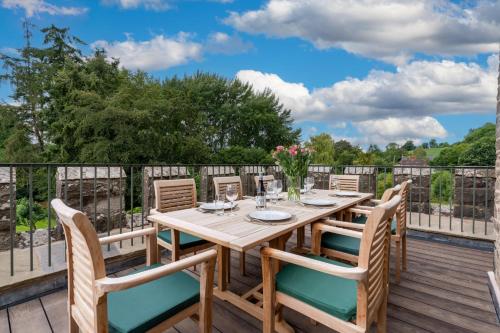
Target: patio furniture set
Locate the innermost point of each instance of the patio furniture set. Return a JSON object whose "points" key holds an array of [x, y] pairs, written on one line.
{"points": [[340, 281]]}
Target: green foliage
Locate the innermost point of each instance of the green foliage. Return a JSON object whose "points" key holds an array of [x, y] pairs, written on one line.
{"points": [[384, 181], [480, 152], [241, 155], [323, 146], [474, 135], [408, 146], [23, 212], [449, 156], [442, 186]]}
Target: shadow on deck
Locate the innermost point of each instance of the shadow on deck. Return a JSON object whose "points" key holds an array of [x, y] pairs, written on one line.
{"points": [[445, 290]]}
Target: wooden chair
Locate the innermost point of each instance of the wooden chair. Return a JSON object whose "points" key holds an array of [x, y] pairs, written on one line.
{"points": [[345, 182], [172, 195], [267, 179], [152, 300], [341, 246], [328, 291], [398, 234], [220, 184]]}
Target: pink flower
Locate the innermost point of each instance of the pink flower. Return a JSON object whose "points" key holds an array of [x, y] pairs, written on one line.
{"points": [[303, 150], [293, 150], [280, 148]]}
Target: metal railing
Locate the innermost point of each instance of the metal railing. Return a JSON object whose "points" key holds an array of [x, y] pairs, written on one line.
{"points": [[117, 197]]}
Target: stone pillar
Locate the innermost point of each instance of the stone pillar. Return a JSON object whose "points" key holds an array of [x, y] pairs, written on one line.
{"points": [[70, 189], [418, 198], [367, 177], [494, 277], [474, 193], [6, 207]]}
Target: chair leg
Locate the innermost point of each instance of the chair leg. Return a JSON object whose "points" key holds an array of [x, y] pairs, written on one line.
{"points": [[405, 256], [73, 326], [301, 235], [382, 317], [242, 264], [175, 245], [268, 297], [398, 261]]}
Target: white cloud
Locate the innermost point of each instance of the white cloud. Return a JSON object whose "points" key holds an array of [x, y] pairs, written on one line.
{"points": [[156, 54], [32, 7], [220, 42], [389, 30], [156, 5], [397, 105]]}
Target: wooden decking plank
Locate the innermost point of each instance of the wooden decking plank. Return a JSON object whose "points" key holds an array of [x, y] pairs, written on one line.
{"points": [[443, 315], [481, 304], [420, 321], [450, 261], [4, 321], [394, 325], [56, 308], [28, 317], [443, 303], [453, 258]]}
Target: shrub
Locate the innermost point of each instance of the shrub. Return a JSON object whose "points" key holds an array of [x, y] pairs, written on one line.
{"points": [[441, 186]]}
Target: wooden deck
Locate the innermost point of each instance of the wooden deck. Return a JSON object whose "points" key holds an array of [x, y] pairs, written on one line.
{"points": [[444, 290]]}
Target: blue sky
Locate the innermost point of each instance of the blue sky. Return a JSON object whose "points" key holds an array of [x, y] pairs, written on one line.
{"points": [[369, 71]]}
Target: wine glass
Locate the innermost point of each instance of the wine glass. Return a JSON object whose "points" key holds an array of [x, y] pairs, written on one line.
{"points": [[335, 184], [271, 191], [231, 196]]}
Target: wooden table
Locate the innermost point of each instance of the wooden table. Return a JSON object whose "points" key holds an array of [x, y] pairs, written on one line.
{"points": [[237, 233]]}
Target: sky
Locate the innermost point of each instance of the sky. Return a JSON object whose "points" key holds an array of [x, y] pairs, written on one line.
{"points": [[363, 70]]}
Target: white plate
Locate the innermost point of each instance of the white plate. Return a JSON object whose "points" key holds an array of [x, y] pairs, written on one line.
{"points": [[211, 206], [270, 215], [346, 194], [318, 202]]}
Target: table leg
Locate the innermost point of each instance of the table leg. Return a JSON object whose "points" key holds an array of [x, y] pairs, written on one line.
{"points": [[222, 267], [301, 235]]}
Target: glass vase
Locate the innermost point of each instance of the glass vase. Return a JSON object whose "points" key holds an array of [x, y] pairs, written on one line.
{"points": [[293, 187]]}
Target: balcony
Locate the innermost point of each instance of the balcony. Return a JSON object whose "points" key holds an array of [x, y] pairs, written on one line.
{"points": [[444, 290]]}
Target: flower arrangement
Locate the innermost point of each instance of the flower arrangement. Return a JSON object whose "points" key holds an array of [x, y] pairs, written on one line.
{"points": [[294, 161]]}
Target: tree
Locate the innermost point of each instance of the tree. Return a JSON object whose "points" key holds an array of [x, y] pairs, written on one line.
{"points": [[487, 130], [408, 146], [479, 153], [433, 143], [392, 153], [449, 156], [323, 146], [345, 152], [420, 153], [425, 145]]}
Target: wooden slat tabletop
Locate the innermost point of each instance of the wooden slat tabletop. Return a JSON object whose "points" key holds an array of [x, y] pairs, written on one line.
{"points": [[237, 233]]}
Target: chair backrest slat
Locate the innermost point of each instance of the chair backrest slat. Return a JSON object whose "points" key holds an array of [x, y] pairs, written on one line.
{"points": [[374, 256], [85, 265], [267, 179], [220, 184], [174, 194], [403, 206], [345, 182]]}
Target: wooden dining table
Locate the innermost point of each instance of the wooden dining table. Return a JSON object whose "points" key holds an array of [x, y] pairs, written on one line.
{"points": [[238, 232]]}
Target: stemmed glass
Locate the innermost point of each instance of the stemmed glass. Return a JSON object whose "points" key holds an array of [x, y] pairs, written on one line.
{"points": [[309, 184], [231, 196], [278, 187]]}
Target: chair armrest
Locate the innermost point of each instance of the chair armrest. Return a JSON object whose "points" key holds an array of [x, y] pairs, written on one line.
{"points": [[354, 273], [127, 235], [107, 284], [343, 224], [359, 211], [376, 201], [370, 208], [153, 211], [341, 231]]}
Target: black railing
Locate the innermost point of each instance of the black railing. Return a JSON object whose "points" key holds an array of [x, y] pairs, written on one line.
{"points": [[117, 197]]}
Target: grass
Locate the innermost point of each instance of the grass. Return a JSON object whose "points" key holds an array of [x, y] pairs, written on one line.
{"points": [[41, 224], [433, 152]]}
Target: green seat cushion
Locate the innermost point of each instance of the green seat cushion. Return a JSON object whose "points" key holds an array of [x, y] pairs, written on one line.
{"points": [[394, 224], [340, 243], [186, 240], [361, 219], [331, 294], [141, 308]]}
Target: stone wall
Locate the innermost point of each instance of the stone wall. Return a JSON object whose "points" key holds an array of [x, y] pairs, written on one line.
{"points": [[5, 205], [420, 188], [367, 177], [474, 193], [68, 187]]}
